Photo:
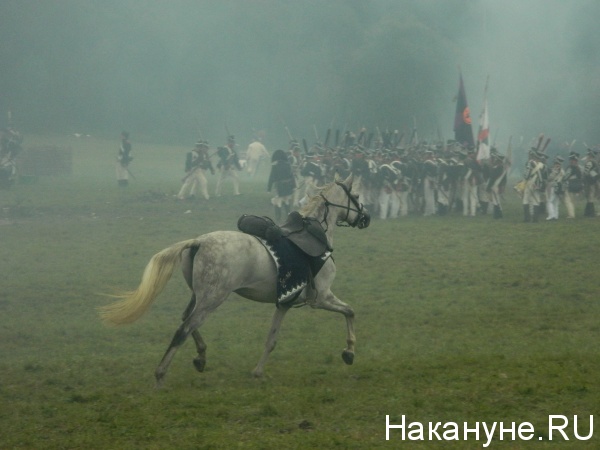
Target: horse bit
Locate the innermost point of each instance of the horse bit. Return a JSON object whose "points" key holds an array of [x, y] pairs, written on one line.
{"points": [[362, 220]]}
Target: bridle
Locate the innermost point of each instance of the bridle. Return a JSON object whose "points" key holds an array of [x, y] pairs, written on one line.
{"points": [[362, 219]]}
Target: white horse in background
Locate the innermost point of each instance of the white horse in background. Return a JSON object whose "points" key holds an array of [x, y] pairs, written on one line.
{"points": [[221, 262]]}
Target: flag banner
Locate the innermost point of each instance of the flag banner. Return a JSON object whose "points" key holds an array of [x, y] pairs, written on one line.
{"points": [[483, 136], [463, 129]]}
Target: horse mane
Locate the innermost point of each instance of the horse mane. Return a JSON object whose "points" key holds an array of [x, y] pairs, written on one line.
{"points": [[315, 202]]}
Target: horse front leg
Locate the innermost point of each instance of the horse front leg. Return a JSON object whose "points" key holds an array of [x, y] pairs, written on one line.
{"points": [[271, 339], [330, 302]]}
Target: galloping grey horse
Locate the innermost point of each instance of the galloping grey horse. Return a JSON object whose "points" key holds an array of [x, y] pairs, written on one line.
{"points": [[221, 262]]}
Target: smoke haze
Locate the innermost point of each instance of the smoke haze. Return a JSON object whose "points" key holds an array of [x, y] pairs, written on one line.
{"points": [[168, 70]]}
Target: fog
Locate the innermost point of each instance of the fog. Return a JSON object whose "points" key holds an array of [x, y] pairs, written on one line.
{"points": [[167, 71]]}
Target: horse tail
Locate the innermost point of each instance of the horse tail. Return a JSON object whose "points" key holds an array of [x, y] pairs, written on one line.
{"points": [[131, 305]]}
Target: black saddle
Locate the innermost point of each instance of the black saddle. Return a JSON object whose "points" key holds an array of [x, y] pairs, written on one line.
{"points": [[304, 232]]}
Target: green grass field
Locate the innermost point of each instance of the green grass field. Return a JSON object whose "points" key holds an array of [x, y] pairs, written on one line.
{"points": [[457, 320]]}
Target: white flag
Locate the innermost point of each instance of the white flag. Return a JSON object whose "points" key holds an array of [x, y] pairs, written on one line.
{"points": [[483, 137]]}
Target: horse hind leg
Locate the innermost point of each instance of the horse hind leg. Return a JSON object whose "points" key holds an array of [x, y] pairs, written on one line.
{"points": [[200, 360], [189, 326]]}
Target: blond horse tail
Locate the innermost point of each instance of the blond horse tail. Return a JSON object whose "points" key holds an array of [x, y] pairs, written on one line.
{"points": [[131, 305]]}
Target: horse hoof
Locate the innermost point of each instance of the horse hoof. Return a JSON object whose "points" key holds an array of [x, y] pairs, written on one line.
{"points": [[199, 364], [348, 357]]}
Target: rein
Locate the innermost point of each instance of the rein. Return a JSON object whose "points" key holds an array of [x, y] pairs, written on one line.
{"points": [[362, 218]]}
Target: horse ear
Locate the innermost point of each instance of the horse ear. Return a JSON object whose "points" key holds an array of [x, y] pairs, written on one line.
{"points": [[348, 181]]}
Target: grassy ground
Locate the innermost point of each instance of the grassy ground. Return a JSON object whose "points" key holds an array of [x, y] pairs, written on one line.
{"points": [[457, 320]]}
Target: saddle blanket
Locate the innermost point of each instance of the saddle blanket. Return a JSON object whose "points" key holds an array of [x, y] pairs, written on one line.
{"points": [[294, 267]]}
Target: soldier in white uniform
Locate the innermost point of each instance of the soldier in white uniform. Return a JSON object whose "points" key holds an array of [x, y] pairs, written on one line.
{"points": [[389, 202], [196, 166], [123, 159], [534, 183], [228, 165], [472, 179], [573, 179], [254, 154], [554, 188], [430, 173]]}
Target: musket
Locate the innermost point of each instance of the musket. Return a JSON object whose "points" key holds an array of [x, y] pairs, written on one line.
{"points": [[227, 130], [539, 144], [289, 134], [379, 137], [129, 172], [305, 145], [187, 175], [508, 159], [415, 137], [327, 136], [316, 134], [361, 136], [397, 138], [545, 145], [287, 130]]}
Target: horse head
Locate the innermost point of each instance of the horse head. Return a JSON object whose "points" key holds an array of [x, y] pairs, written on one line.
{"points": [[349, 210]]}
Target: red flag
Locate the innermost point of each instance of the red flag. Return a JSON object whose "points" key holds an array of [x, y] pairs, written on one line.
{"points": [[463, 130]]}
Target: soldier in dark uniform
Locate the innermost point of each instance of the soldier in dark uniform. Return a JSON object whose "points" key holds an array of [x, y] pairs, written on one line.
{"points": [[444, 184], [229, 166], [472, 179], [10, 147], [282, 179], [496, 183], [402, 186], [573, 181], [123, 159], [312, 172], [591, 176]]}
